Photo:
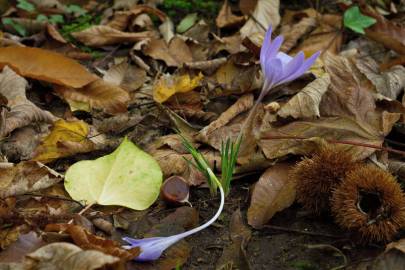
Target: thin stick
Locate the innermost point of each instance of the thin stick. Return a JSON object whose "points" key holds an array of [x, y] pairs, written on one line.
{"points": [[382, 148], [283, 229], [52, 197], [82, 212]]}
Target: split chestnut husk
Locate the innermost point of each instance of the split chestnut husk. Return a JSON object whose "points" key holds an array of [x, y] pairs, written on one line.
{"points": [[370, 203], [318, 175]]}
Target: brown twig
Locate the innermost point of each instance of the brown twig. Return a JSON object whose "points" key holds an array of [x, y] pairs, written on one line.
{"points": [[382, 148], [52, 197], [289, 230]]}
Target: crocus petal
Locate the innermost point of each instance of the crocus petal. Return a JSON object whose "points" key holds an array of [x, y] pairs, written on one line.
{"points": [[274, 47], [303, 68], [293, 66], [273, 69], [266, 44], [152, 248]]}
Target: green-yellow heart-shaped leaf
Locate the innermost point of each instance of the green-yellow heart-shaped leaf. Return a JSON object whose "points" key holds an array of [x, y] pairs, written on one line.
{"points": [[127, 177]]}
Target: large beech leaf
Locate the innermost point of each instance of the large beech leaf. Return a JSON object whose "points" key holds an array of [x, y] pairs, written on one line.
{"points": [[127, 177], [45, 65], [274, 192]]}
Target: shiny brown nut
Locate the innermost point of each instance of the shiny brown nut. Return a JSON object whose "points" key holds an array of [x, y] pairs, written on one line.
{"points": [[175, 190]]}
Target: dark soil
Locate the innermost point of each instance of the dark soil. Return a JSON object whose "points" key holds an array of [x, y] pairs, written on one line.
{"points": [[270, 248]]}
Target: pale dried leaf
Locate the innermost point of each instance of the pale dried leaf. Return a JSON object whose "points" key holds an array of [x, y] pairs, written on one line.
{"points": [[305, 104], [66, 256], [389, 83], [174, 54], [274, 192], [266, 13], [226, 18], [243, 104], [167, 30], [350, 93], [127, 76], [98, 94], [292, 33], [278, 142], [102, 35], [26, 177], [22, 111], [327, 37]]}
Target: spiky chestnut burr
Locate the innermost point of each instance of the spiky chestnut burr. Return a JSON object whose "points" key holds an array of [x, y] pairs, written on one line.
{"points": [[318, 175], [370, 203]]}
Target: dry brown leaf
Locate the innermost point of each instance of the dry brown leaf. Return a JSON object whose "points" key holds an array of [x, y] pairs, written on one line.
{"points": [[247, 6], [389, 83], [102, 35], [85, 240], [174, 54], [206, 135], [8, 236], [305, 104], [266, 13], [237, 79], [66, 256], [330, 128], [26, 243], [127, 76], [26, 177], [235, 255], [231, 44], [226, 18], [350, 93], [22, 111], [388, 121], [98, 94], [292, 33], [386, 32], [327, 37], [274, 192], [122, 19], [45, 65]]}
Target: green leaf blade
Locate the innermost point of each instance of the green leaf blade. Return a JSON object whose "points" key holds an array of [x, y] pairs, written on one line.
{"points": [[127, 177], [356, 21]]}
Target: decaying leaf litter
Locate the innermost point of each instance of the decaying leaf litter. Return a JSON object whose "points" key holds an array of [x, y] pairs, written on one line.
{"points": [[102, 101]]}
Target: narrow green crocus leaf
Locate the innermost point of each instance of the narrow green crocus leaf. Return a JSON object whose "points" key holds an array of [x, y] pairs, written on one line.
{"points": [[128, 177], [354, 20]]}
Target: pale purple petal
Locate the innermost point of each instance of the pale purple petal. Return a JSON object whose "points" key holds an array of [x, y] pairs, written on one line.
{"points": [[152, 248], [303, 68], [273, 71], [274, 47], [285, 58], [265, 45], [293, 66]]}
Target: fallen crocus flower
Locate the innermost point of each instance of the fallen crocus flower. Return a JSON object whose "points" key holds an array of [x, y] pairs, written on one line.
{"points": [[152, 248], [278, 67]]}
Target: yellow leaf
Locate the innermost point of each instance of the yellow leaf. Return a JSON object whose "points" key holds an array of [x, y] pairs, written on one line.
{"points": [[168, 85], [66, 138]]}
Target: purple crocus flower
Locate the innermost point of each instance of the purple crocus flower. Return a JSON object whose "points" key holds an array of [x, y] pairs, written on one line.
{"points": [[152, 248], [278, 67]]}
